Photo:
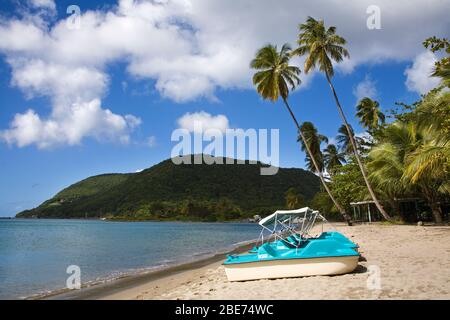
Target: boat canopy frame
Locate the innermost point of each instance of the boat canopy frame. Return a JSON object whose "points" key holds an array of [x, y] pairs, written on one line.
{"points": [[283, 223]]}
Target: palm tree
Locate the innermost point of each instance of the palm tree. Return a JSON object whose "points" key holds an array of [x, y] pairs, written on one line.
{"points": [[332, 158], [294, 200], [343, 140], [428, 167], [272, 79], [443, 72], [441, 67], [386, 166], [322, 44], [413, 158], [369, 114], [314, 140], [433, 111]]}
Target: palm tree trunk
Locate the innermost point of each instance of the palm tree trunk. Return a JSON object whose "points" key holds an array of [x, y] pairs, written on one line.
{"points": [[435, 207], [338, 206], [355, 151], [437, 212], [396, 207]]}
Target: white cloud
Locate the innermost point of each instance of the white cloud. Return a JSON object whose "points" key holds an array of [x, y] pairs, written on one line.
{"points": [[418, 76], [365, 88], [192, 48], [50, 4], [42, 11], [69, 126], [181, 48], [61, 82], [76, 107], [332, 140], [201, 121], [21, 38], [132, 121], [366, 138], [150, 141]]}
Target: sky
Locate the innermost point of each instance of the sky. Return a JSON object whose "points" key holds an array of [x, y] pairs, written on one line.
{"points": [[101, 90]]}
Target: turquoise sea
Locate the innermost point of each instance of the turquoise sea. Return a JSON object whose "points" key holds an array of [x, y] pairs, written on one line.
{"points": [[35, 253]]}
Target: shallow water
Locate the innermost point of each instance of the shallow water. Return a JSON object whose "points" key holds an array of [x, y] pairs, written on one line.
{"points": [[35, 254]]}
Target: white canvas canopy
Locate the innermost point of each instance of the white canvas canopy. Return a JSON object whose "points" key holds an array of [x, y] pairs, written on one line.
{"points": [[283, 215]]}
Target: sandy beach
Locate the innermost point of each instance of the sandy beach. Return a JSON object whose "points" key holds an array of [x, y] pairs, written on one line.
{"points": [[412, 262]]}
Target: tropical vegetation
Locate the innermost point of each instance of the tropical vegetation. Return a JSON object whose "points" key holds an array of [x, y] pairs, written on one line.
{"points": [[407, 157], [404, 154], [322, 45], [182, 192], [274, 78]]}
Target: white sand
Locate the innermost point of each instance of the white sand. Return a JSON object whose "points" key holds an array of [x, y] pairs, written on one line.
{"points": [[413, 261]]}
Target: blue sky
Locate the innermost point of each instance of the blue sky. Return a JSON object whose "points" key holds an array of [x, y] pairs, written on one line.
{"points": [[187, 59]]}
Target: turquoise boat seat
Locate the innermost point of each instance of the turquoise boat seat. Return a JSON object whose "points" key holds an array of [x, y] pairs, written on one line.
{"points": [[293, 240], [324, 247], [253, 250], [338, 237], [267, 248]]}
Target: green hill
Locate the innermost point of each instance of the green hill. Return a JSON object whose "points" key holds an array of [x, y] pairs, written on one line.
{"points": [[179, 192]]}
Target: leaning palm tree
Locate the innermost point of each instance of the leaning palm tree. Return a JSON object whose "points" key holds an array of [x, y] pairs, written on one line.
{"points": [[314, 139], [272, 79], [369, 114], [322, 45], [332, 158], [343, 140]]}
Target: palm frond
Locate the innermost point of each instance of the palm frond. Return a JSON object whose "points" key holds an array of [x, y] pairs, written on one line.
{"points": [[274, 76], [321, 45]]}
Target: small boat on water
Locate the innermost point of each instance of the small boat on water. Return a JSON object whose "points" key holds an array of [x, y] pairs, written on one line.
{"points": [[290, 251]]}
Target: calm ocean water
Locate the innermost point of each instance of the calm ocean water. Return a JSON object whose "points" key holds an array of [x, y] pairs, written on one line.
{"points": [[34, 254]]}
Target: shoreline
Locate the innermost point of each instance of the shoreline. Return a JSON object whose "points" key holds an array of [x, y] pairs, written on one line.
{"points": [[411, 262], [124, 220], [111, 288]]}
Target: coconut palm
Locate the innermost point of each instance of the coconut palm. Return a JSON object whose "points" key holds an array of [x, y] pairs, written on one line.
{"points": [[369, 114], [441, 67], [322, 45], [442, 71], [274, 77], [433, 111], [413, 159], [343, 140], [294, 200], [332, 158], [429, 168], [314, 140], [344, 143]]}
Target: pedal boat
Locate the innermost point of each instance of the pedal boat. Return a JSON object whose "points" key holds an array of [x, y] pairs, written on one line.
{"points": [[295, 239], [292, 253]]}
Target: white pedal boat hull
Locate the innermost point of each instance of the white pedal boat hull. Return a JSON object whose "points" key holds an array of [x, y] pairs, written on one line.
{"points": [[291, 268]]}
